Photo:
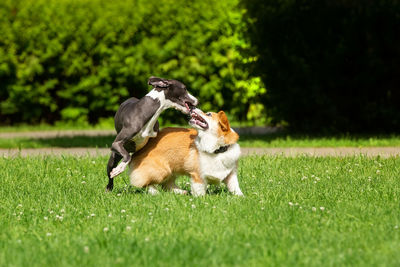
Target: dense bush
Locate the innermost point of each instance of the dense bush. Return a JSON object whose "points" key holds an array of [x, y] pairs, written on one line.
{"points": [[332, 65], [78, 60]]}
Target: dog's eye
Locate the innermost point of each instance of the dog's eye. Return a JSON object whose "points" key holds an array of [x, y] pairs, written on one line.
{"points": [[208, 114]]}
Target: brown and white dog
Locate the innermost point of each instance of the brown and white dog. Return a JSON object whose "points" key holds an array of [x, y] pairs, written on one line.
{"points": [[208, 155]]}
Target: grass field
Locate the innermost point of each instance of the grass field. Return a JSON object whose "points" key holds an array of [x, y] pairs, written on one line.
{"points": [[270, 140], [303, 211]]}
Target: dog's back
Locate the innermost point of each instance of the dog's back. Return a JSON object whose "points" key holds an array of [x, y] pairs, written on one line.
{"points": [[172, 152]]}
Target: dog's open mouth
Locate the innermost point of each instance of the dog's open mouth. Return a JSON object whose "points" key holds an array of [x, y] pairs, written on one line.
{"points": [[196, 119], [189, 106]]}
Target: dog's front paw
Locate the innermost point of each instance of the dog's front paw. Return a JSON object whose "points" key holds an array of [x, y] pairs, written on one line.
{"points": [[239, 193], [198, 189], [119, 169]]}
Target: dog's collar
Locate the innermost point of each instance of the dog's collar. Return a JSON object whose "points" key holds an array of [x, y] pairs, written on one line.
{"points": [[222, 149]]}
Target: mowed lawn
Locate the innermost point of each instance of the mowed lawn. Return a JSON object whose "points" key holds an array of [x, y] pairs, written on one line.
{"points": [[304, 211]]}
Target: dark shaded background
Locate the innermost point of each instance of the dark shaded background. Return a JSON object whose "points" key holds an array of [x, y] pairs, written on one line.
{"points": [[329, 65]]}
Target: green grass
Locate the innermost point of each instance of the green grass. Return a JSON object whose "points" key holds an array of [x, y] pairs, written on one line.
{"points": [[296, 140], [270, 140], [303, 211]]}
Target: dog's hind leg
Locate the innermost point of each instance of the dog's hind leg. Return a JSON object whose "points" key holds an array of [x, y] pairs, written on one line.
{"points": [[112, 163], [152, 190], [118, 146], [198, 186]]}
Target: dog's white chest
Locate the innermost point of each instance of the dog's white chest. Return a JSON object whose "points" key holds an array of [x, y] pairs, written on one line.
{"points": [[216, 167]]}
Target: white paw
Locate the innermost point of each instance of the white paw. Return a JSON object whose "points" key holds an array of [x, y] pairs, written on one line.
{"points": [[238, 193], [119, 169], [198, 189], [152, 190]]}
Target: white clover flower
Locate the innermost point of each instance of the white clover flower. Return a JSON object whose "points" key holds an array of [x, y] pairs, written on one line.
{"points": [[119, 194], [128, 228], [48, 234], [378, 171], [110, 215], [123, 211], [150, 213], [83, 182], [45, 218], [290, 203], [92, 215], [322, 208], [193, 206], [62, 210], [314, 209], [19, 206], [86, 249], [167, 209], [105, 229]]}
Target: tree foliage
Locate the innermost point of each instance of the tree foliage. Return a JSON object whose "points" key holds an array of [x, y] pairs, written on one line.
{"points": [[78, 60]]}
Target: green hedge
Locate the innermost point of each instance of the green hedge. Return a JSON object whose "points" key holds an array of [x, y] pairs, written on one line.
{"points": [[77, 60]]}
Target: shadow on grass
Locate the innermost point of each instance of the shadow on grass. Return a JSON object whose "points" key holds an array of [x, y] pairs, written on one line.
{"points": [[64, 141], [268, 140], [182, 182]]}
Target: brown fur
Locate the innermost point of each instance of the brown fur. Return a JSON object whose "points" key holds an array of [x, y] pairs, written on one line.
{"points": [[173, 152], [224, 130]]}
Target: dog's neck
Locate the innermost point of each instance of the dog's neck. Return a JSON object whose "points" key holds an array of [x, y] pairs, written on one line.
{"points": [[208, 142], [160, 96]]}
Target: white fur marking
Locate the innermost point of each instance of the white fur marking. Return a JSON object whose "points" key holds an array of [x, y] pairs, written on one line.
{"points": [[152, 190], [198, 189], [232, 184], [214, 168], [119, 169]]}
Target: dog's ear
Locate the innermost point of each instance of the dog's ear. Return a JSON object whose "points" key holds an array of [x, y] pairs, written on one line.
{"points": [[158, 82], [223, 121]]}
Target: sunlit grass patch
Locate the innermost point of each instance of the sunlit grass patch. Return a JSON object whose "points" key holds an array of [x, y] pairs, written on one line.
{"points": [[296, 211]]}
